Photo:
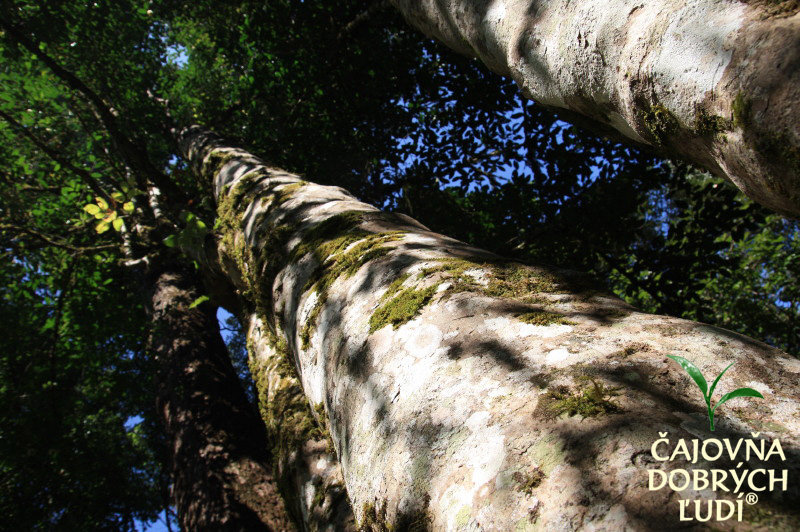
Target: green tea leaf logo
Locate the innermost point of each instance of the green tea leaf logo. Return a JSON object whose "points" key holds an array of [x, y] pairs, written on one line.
{"points": [[698, 378]]}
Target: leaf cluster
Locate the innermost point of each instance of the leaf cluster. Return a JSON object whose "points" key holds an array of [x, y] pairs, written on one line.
{"points": [[697, 376]]}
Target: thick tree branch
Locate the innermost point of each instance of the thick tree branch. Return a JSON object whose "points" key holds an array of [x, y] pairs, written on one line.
{"points": [[710, 81]]}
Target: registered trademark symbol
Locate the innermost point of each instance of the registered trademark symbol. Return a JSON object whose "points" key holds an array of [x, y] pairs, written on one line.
{"points": [[751, 498]]}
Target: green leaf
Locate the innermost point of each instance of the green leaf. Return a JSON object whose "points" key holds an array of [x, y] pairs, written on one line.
{"points": [[741, 392], [693, 372], [200, 300], [714, 385], [91, 209], [117, 224], [170, 241], [128, 207], [102, 227]]}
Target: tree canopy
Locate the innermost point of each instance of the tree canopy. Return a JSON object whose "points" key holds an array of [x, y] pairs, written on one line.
{"points": [[346, 96]]}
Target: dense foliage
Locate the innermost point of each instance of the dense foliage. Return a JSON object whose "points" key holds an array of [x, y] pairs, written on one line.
{"points": [[347, 97]]}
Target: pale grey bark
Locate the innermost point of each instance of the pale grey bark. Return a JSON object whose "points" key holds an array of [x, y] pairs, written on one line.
{"points": [[445, 374], [715, 82]]}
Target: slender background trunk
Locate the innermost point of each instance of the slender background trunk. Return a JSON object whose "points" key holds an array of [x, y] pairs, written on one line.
{"points": [[221, 465], [464, 390]]}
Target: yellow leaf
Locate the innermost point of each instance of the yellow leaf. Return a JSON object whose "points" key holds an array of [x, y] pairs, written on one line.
{"points": [[102, 227], [110, 216], [102, 203], [117, 196], [128, 206], [117, 224], [91, 209]]}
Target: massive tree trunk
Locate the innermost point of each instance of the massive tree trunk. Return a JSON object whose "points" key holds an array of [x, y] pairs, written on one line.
{"points": [[221, 466], [713, 81], [463, 391]]}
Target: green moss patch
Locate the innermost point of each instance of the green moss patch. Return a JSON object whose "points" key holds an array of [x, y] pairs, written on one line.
{"points": [[395, 286], [594, 399], [456, 267], [336, 227], [541, 317], [341, 258], [338, 258], [287, 416], [505, 279], [324, 426], [516, 281], [258, 271], [341, 248], [660, 122], [286, 191], [709, 125], [741, 111], [527, 482], [246, 188], [283, 405], [319, 493], [373, 519], [401, 308], [215, 161]]}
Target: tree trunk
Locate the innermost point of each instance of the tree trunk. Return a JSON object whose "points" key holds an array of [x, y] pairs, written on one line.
{"points": [[221, 466], [464, 391], [306, 464], [714, 82]]}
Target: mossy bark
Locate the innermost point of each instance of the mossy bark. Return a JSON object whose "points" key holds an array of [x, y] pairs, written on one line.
{"points": [[704, 80], [446, 372], [305, 462]]}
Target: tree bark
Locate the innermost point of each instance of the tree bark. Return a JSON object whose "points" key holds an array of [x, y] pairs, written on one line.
{"points": [[714, 82], [221, 466], [464, 391], [307, 468]]}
